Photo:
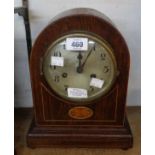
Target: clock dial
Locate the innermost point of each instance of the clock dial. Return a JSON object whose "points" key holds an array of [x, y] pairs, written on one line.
{"points": [[92, 70]]}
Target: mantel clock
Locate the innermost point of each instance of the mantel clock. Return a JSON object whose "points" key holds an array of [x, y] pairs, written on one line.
{"points": [[79, 69]]}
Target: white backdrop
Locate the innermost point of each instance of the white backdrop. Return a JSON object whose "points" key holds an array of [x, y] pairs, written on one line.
{"points": [[125, 14]]}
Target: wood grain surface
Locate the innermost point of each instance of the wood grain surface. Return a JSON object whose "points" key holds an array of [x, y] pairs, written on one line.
{"points": [[23, 119]]}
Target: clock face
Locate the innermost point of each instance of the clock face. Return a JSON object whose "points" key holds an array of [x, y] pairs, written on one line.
{"points": [[80, 67]]}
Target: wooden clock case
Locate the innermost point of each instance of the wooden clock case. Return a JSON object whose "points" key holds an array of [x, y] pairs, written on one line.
{"points": [[52, 126]]}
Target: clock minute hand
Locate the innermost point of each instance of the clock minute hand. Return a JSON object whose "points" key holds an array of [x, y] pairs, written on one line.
{"points": [[87, 57]]}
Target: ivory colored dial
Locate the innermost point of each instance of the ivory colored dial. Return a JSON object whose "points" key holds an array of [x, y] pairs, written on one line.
{"points": [[80, 67]]}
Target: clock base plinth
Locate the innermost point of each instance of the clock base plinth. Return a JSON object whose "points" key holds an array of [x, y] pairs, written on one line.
{"points": [[92, 137]]}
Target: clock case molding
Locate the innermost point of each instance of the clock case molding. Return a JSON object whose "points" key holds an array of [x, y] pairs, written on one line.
{"points": [[52, 126]]}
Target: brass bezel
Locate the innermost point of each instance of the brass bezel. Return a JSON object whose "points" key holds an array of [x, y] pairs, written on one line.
{"points": [[103, 43]]}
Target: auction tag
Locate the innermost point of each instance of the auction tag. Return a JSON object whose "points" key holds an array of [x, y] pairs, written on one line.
{"points": [[77, 93], [77, 44], [96, 82], [57, 61]]}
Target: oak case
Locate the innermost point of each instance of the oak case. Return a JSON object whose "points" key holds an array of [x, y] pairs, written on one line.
{"points": [[108, 127]]}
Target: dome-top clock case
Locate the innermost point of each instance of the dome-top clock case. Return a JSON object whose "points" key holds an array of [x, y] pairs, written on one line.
{"points": [[79, 69]]}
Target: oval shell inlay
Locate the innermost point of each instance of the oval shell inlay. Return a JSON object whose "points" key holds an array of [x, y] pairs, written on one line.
{"points": [[80, 112]]}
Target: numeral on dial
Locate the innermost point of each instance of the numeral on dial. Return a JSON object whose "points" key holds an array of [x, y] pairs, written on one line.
{"points": [[54, 67], [106, 69], [66, 87], [57, 54], [103, 56], [56, 78], [92, 75], [91, 89]]}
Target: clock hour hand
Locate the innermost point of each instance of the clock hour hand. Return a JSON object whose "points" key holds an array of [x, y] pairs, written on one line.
{"points": [[79, 68]]}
